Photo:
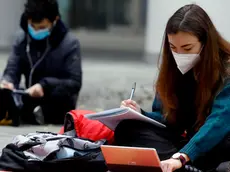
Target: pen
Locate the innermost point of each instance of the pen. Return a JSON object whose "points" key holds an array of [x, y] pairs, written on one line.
{"points": [[133, 90]]}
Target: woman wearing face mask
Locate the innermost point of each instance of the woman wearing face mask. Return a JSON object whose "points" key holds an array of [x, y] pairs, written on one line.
{"points": [[192, 96]]}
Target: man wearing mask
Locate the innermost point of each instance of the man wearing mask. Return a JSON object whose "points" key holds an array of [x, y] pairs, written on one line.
{"points": [[49, 57]]}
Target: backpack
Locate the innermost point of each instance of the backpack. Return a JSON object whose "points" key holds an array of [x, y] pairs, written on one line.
{"points": [[46, 151]]}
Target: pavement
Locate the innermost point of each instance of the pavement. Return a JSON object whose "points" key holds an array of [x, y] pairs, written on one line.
{"points": [[107, 80]]}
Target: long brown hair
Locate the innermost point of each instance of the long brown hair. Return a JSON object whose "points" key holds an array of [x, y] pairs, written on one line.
{"points": [[208, 72]]}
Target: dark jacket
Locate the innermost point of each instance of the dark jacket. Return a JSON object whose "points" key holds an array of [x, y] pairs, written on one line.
{"points": [[58, 71]]}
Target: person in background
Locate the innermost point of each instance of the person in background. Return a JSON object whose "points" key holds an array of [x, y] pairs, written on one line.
{"points": [[192, 97], [48, 56]]}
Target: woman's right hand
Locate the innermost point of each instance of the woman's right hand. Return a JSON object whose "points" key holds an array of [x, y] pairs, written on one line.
{"points": [[131, 104]]}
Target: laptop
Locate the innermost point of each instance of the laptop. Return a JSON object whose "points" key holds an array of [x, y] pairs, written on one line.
{"points": [[131, 159]]}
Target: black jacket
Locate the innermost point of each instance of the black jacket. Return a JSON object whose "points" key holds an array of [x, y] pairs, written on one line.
{"points": [[58, 71]]}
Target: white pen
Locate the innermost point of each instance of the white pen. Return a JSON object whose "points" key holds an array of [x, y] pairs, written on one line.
{"points": [[133, 91]]}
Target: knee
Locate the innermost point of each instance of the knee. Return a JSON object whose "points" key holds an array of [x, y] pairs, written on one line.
{"points": [[126, 126], [127, 129], [5, 94], [123, 130]]}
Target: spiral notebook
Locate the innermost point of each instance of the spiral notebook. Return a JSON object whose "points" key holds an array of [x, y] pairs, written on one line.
{"points": [[111, 118]]}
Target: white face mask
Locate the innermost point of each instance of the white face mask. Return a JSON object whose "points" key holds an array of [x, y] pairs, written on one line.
{"points": [[185, 62]]}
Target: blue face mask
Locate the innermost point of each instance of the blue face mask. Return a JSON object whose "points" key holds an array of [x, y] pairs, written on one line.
{"points": [[38, 35]]}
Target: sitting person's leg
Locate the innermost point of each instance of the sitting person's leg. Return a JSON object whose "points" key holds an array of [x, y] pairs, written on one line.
{"points": [[4, 103], [9, 112], [140, 134], [55, 108], [27, 112]]}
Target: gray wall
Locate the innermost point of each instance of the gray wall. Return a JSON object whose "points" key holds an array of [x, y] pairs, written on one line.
{"points": [[10, 12]]}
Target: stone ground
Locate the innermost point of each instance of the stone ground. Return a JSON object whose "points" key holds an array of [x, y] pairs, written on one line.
{"points": [[107, 80]]}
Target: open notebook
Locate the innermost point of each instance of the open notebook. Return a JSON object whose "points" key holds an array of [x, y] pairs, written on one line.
{"points": [[111, 118]]}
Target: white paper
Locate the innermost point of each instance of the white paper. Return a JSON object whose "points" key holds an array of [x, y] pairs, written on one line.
{"points": [[111, 118]]}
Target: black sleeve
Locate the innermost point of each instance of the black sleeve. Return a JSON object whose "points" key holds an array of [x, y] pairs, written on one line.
{"points": [[72, 82], [12, 72]]}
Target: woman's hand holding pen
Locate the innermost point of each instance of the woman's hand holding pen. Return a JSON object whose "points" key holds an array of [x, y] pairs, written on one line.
{"points": [[131, 104]]}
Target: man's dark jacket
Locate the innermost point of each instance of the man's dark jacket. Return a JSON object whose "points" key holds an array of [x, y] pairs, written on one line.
{"points": [[59, 71]]}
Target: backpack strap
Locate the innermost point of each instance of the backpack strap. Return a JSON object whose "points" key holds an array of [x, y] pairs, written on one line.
{"points": [[29, 145]]}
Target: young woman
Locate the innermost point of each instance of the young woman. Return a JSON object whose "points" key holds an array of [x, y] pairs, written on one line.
{"points": [[192, 96]]}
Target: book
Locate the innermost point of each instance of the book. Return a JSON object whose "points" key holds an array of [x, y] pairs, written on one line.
{"points": [[111, 118]]}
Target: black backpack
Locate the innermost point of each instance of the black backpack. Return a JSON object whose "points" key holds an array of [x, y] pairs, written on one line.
{"points": [[41, 152]]}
